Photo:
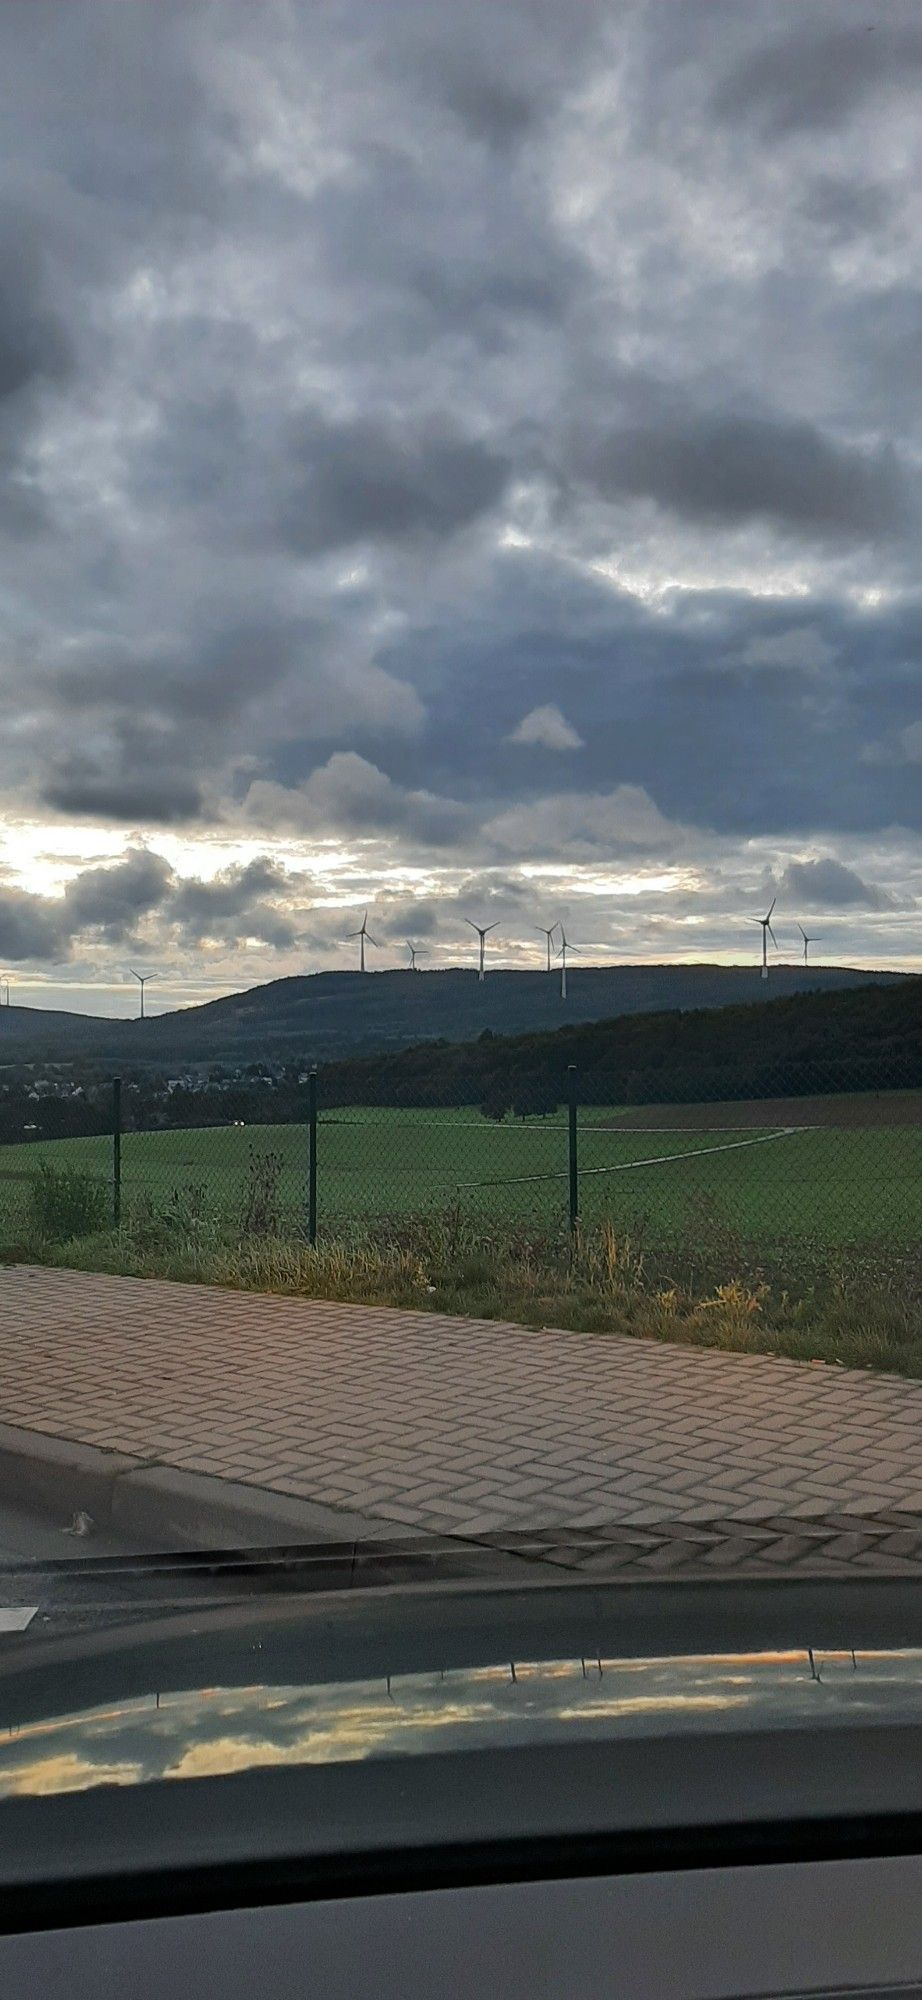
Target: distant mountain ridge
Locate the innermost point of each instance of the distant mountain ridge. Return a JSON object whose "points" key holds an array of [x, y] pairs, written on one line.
{"points": [[325, 1016]]}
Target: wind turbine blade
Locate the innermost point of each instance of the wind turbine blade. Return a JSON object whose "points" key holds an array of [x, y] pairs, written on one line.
{"points": [[771, 933], [804, 934], [474, 927], [372, 940], [773, 902], [490, 927]]}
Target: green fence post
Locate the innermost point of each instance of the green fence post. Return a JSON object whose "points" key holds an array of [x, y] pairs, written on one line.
{"points": [[312, 1156], [116, 1151], [574, 1169]]}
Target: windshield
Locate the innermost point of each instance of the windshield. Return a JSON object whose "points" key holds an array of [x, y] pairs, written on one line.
{"points": [[460, 1056]]}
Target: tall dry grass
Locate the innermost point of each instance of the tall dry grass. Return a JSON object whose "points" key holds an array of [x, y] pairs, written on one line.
{"points": [[704, 1286]]}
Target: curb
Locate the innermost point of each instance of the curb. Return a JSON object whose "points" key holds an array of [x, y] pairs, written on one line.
{"points": [[163, 1506]]}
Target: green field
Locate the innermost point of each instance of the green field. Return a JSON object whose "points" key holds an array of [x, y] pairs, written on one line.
{"points": [[834, 1182]]}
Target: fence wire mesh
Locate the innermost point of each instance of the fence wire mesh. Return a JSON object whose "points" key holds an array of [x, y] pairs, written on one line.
{"points": [[799, 1168]]}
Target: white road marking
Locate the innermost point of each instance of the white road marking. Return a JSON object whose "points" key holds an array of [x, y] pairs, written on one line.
{"points": [[15, 1617]]}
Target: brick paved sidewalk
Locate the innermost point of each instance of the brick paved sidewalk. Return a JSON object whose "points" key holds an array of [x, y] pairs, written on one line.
{"points": [[449, 1424]]}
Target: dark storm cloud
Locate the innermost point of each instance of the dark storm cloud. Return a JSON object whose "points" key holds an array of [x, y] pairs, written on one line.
{"points": [[733, 716], [377, 380], [122, 788], [829, 885], [734, 469], [365, 480], [819, 74]]}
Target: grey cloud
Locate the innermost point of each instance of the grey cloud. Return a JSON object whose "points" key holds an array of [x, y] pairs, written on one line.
{"points": [[802, 646], [493, 108], [828, 884], [735, 469], [122, 789], [30, 928], [625, 821], [818, 75], [240, 902], [364, 480], [348, 795], [843, 209], [123, 731], [575, 398], [35, 357], [112, 898], [34, 346], [742, 714], [547, 728], [416, 281]]}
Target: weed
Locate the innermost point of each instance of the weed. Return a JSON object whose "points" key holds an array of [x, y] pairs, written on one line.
{"points": [[66, 1204], [260, 1211]]}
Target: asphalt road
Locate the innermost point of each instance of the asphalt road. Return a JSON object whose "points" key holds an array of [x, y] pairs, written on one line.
{"points": [[27, 1536]]}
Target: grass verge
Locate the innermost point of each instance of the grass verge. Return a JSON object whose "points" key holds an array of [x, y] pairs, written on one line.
{"points": [[703, 1285]]}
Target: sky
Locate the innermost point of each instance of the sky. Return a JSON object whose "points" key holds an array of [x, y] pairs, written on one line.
{"points": [[459, 462]]}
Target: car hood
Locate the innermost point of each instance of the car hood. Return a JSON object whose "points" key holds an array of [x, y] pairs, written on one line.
{"points": [[184, 1733]]}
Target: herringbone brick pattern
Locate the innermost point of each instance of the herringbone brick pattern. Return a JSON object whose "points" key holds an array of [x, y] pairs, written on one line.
{"points": [[443, 1424]]}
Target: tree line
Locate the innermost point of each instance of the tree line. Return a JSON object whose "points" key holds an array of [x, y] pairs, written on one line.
{"points": [[867, 1038]]}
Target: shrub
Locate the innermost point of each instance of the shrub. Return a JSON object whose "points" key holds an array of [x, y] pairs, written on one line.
{"points": [[66, 1203]]}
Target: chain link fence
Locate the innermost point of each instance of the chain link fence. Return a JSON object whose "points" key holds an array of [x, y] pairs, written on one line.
{"points": [[798, 1166]]}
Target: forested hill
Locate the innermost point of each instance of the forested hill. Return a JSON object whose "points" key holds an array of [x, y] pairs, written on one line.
{"points": [[326, 1015], [870, 1038]]}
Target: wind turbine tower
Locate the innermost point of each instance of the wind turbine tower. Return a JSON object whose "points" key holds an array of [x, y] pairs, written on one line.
{"points": [[548, 934], [807, 943], [483, 932], [767, 932], [362, 934], [565, 946], [142, 979]]}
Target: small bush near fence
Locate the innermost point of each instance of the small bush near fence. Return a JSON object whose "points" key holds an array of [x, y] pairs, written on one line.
{"points": [[66, 1204]]}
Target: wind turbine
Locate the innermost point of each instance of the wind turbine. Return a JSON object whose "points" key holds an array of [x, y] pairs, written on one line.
{"points": [[547, 934], [767, 932], [4, 982], [416, 951], [483, 932], [565, 946], [142, 979], [807, 942], [362, 934]]}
